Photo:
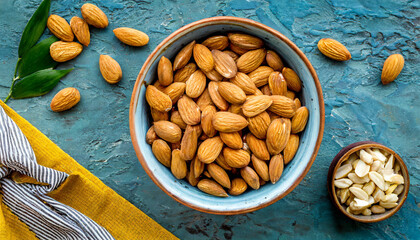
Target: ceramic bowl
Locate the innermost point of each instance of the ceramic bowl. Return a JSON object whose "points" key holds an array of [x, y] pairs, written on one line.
{"points": [[310, 140], [341, 157]]}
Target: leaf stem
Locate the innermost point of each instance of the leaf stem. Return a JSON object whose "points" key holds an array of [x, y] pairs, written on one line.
{"points": [[15, 78]]}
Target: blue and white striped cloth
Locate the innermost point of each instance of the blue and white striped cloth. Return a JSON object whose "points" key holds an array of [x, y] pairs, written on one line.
{"points": [[46, 217]]}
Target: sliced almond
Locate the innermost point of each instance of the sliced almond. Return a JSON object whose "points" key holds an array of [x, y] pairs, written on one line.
{"points": [[378, 180], [377, 209], [343, 183], [366, 157], [343, 171], [361, 169], [359, 193], [369, 188]]}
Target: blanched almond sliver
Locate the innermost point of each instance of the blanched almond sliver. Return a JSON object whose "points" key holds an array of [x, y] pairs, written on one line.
{"points": [[359, 204], [389, 198], [359, 193], [367, 212], [377, 209], [378, 180], [390, 163], [343, 171], [375, 165], [366, 157], [377, 195], [388, 204], [378, 155], [357, 185], [358, 180], [399, 189], [396, 178], [369, 188], [344, 195], [362, 169], [391, 189], [343, 183]]}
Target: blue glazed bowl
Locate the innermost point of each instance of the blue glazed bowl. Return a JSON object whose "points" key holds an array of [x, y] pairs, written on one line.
{"points": [[310, 139]]}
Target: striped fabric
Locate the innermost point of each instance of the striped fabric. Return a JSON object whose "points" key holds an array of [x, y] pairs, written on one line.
{"points": [[46, 217]]}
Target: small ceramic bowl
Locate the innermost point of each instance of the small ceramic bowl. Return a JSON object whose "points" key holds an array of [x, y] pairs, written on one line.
{"points": [[344, 155], [310, 139]]}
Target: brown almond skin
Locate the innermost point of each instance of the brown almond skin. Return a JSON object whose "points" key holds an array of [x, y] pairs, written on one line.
{"points": [[260, 75], [292, 79], [192, 180], [178, 165], [237, 50], [244, 82], [210, 149], [277, 84], [213, 75], [251, 60], [274, 60], [168, 131], [64, 51], [65, 99], [237, 109], [203, 57], [255, 105], [257, 147], [157, 99], [216, 42], [219, 175], [131, 36], [196, 84], [215, 96], [60, 28], [258, 125], [175, 91], [162, 152], [197, 167], [392, 68], [232, 140], [261, 168], [158, 115], [94, 16], [283, 106], [222, 162], [212, 188], [110, 69], [266, 90], [228, 122], [236, 158], [81, 29], [231, 93], [183, 56], [232, 54], [238, 187], [290, 94], [206, 121], [333, 49], [204, 100], [275, 168], [151, 135], [183, 74], [250, 177], [278, 134], [189, 143], [297, 103], [224, 64], [300, 119], [165, 74], [189, 110], [291, 148], [245, 41]]}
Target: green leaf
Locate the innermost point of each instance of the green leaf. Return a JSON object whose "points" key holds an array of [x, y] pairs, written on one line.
{"points": [[34, 28], [37, 58], [38, 83]]}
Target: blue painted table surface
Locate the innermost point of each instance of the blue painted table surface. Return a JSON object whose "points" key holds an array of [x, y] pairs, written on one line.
{"points": [[358, 107]]}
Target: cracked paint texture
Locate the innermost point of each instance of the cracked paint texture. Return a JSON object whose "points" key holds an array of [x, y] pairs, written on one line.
{"points": [[358, 107]]}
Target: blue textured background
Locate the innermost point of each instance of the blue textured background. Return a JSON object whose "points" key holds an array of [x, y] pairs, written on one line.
{"points": [[358, 106]]}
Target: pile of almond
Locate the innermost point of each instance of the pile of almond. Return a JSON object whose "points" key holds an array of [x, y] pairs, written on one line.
{"points": [[369, 182], [225, 114]]}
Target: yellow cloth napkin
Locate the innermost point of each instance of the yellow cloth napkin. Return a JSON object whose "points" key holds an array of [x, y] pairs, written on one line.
{"points": [[81, 191]]}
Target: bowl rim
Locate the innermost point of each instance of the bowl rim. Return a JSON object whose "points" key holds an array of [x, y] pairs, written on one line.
{"points": [[342, 155], [136, 93]]}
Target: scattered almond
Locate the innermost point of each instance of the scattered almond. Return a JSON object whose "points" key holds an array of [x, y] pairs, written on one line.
{"points": [[131, 36], [110, 69], [94, 16], [392, 68], [60, 28], [81, 29], [65, 99], [65, 51], [333, 49]]}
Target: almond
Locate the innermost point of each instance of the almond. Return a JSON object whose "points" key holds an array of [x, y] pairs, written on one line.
{"points": [[165, 74], [237, 109], [131, 36], [300, 119], [209, 150], [213, 75], [392, 68], [60, 28], [231, 93], [275, 168], [236, 158], [151, 135], [157, 99], [291, 148], [212, 188], [228, 122], [238, 187], [175, 91], [204, 100], [158, 115], [290, 94], [233, 55], [159, 86], [203, 57], [192, 180], [189, 110], [292, 79], [277, 84], [278, 134], [162, 152], [197, 167], [224, 64], [183, 56], [232, 140], [257, 147], [251, 60], [297, 103], [245, 41], [65, 51], [260, 167], [255, 105], [196, 84], [377, 179], [219, 175], [168, 131], [333, 49], [260, 75], [258, 124], [222, 162], [244, 82], [250, 177], [81, 29], [206, 120], [94, 16], [110, 69], [283, 106], [183, 74], [189, 143], [215, 96], [274, 61], [176, 118], [178, 165], [176, 145], [216, 42], [266, 90], [237, 49], [65, 99]]}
